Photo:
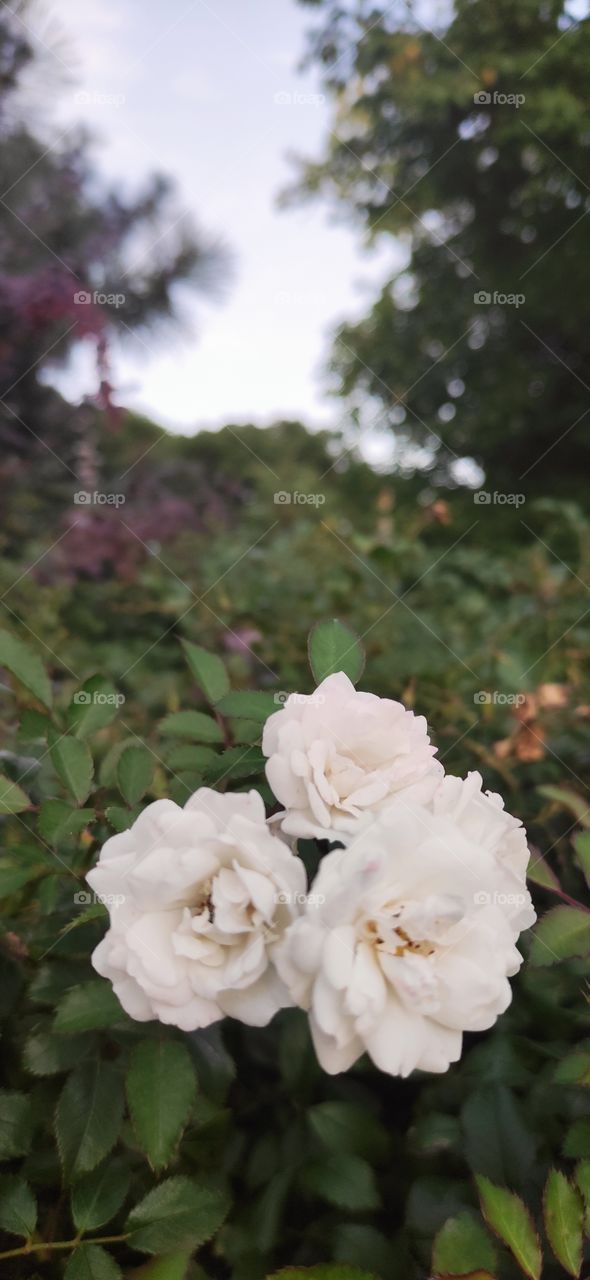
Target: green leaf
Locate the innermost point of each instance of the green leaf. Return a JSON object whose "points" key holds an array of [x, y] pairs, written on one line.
{"points": [[208, 670], [15, 1124], [98, 1196], [119, 818], [176, 1214], [18, 1207], [347, 1127], [182, 756], [577, 1139], [92, 911], [108, 766], [582, 1177], [14, 877], [539, 872], [58, 822], [172, 1267], [575, 1067], [497, 1141], [245, 731], [564, 1220], [89, 1007], [568, 799], [88, 1117], [135, 771], [45, 1054], [12, 797], [72, 762], [462, 1245], [560, 934], [161, 1086], [193, 725], [248, 704], [344, 1180], [333, 647], [92, 1262], [26, 665], [33, 725], [506, 1214], [582, 848], [237, 762], [94, 706]]}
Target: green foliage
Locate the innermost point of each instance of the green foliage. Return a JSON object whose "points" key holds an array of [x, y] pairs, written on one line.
{"points": [[461, 1246], [73, 764], [564, 1220], [160, 1090], [333, 647], [208, 670], [165, 1156], [151, 1143], [462, 136], [563, 932], [12, 797], [134, 773], [22, 661], [88, 1117], [176, 1214], [506, 1214], [18, 1211]]}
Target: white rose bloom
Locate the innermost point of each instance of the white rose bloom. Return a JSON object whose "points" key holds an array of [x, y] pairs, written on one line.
{"points": [[338, 754], [484, 820], [198, 898], [410, 944]]}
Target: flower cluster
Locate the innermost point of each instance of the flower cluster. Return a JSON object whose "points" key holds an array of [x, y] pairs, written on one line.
{"points": [[405, 939]]}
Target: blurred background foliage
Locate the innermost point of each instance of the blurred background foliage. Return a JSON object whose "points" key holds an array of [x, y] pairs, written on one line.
{"points": [[475, 613]]}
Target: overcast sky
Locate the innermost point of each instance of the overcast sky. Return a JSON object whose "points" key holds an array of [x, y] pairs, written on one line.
{"points": [[210, 92]]}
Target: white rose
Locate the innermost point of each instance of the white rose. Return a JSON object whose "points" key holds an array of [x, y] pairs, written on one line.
{"points": [[408, 946], [338, 754], [484, 821], [201, 895]]}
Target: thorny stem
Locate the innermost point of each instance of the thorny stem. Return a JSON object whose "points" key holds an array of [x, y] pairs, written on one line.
{"points": [[40, 1246]]}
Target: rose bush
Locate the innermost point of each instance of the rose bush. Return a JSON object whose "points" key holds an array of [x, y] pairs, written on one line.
{"points": [[123, 1134]]}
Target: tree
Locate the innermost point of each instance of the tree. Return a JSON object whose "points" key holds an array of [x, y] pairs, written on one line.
{"points": [[75, 261], [470, 144]]}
